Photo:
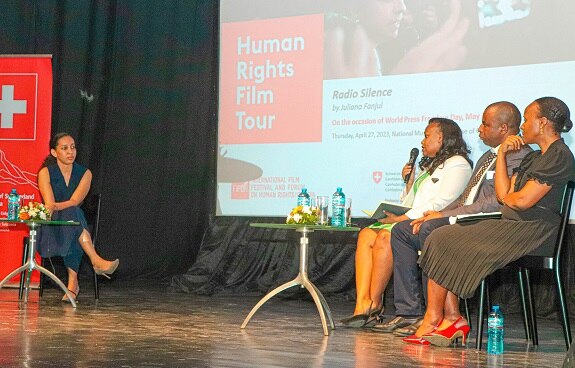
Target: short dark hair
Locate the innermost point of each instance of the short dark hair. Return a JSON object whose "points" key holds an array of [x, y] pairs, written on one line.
{"points": [[508, 114]]}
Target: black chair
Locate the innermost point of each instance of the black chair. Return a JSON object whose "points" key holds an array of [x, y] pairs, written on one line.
{"points": [[91, 207], [523, 265]]}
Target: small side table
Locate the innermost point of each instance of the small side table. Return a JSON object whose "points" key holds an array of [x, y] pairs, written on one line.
{"points": [[31, 264], [301, 278]]}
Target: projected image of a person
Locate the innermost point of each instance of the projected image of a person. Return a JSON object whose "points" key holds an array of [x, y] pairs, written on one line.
{"points": [[445, 170], [64, 184], [355, 30]]}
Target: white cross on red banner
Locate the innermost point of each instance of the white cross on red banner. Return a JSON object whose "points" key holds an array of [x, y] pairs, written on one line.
{"points": [[25, 127]]}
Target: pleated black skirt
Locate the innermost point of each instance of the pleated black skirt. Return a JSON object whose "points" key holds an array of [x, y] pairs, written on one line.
{"points": [[459, 256]]}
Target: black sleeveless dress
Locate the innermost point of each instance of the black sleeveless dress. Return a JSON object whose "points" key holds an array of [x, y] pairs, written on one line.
{"points": [[459, 256]]}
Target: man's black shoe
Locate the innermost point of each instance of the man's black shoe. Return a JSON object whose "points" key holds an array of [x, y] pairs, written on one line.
{"points": [[395, 323], [408, 330]]}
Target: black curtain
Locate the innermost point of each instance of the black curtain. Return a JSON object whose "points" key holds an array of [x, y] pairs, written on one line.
{"points": [[237, 258], [135, 83]]}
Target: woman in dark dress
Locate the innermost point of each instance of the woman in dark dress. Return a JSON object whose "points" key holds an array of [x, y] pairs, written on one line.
{"points": [[456, 258], [64, 184]]}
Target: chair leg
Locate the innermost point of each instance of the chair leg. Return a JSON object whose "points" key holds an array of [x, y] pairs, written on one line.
{"points": [[531, 306], [467, 315], [41, 282], [43, 277], [96, 290], [564, 309], [479, 338], [526, 317], [23, 274], [488, 304]]}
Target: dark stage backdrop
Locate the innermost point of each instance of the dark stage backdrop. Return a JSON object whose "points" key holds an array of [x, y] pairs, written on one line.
{"points": [[237, 258], [135, 83]]}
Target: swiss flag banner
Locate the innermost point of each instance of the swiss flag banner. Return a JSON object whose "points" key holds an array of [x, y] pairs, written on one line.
{"points": [[25, 124]]}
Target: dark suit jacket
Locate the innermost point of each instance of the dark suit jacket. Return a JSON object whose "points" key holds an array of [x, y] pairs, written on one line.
{"points": [[485, 199]]}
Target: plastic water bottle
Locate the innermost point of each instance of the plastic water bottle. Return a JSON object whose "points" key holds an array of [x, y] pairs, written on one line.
{"points": [[303, 198], [13, 205], [338, 209], [495, 331]]}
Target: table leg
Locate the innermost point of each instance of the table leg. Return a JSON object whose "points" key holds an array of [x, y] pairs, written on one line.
{"points": [[54, 278], [324, 304], [319, 304], [20, 269], [34, 266], [31, 265], [279, 289], [317, 296], [303, 280]]}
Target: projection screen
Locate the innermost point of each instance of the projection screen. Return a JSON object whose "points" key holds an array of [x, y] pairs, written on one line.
{"points": [[335, 93]]}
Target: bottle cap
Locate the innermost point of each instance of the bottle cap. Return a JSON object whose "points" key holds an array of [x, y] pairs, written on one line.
{"points": [[495, 308]]}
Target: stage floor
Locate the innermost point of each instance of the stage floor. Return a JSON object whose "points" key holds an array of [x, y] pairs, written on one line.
{"points": [[145, 324]]}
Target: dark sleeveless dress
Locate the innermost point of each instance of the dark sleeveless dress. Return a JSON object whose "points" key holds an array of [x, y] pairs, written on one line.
{"points": [[459, 256], [63, 240]]}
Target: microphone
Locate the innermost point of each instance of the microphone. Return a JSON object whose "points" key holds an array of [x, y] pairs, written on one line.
{"points": [[412, 157]]}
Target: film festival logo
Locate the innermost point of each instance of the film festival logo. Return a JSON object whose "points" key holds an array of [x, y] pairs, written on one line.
{"points": [[377, 176], [241, 190], [18, 97]]}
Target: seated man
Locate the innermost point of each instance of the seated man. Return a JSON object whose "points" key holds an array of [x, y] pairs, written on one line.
{"points": [[499, 120]]}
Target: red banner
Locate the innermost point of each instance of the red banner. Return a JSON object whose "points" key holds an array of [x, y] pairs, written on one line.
{"points": [[25, 124]]}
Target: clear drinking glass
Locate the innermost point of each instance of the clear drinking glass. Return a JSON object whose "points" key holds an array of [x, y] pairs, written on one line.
{"points": [[347, 210], [322, 204]]}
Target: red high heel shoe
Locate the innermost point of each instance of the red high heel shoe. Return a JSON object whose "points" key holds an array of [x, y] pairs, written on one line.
{"points": [[413, 339], [449, 335]]}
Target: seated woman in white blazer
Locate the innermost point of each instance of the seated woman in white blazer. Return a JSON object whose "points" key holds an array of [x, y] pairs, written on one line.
{"points": [[445, 171]]}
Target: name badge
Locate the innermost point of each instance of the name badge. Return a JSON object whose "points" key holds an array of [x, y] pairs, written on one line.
{"points": [[490, 175]]}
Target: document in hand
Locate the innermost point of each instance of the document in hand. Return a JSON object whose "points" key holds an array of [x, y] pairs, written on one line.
{"points": [[478, 216], [395, 208]]}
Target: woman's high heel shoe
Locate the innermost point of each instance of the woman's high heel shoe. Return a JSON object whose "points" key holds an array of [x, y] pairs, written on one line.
{"points": [[374, 316], [110, 270], [458, 329], [360, 320], [416, 340], [65, 298]]}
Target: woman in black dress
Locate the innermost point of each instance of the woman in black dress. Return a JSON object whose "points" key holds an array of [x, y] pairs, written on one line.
{"points": [[456, 258]]}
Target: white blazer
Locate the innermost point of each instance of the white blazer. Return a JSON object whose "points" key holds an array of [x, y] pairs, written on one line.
{"points": [[441, 188]]}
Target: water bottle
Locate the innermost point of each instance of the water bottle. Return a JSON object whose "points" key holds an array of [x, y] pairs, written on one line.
{"points": [[303, 198], [338, 209], [13, 205], [495, 331]]}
